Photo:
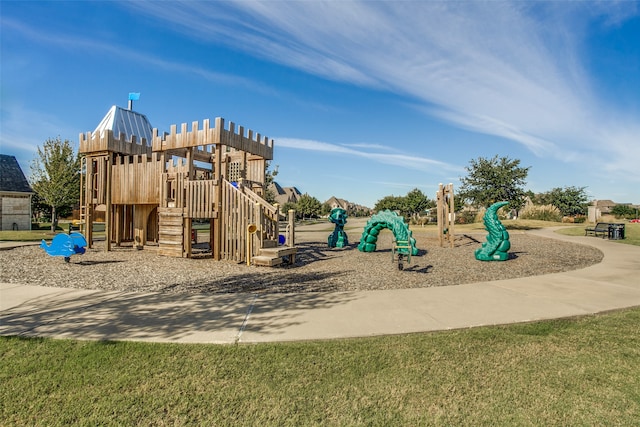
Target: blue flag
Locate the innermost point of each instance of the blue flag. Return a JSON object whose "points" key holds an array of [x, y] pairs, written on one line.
{"points": [[134, 96]]}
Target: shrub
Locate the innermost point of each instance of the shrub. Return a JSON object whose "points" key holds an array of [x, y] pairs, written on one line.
{"points": [[503, 214], [541, 212], [466, 217]]}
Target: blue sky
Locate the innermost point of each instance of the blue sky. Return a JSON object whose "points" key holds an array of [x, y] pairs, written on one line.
{"points": [[364, 99]]}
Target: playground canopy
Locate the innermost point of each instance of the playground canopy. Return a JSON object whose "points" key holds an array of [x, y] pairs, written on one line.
{"points": [[126, 122]]}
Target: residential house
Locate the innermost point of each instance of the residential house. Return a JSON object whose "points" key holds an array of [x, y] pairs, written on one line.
{"points": [[284, 194], [15, 196]]}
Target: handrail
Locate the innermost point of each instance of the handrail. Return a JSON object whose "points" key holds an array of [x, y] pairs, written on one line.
{"points": [[257, 199]]}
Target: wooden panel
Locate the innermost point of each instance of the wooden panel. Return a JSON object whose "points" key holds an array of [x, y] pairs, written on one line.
{"points": [[170, 232], [136, 180]]}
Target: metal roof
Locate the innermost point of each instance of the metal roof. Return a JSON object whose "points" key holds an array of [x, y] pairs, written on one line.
{"points": [[11, 176], [127, 122]]}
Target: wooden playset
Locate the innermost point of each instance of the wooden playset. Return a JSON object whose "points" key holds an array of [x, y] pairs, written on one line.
{"points": [[153, 191]]}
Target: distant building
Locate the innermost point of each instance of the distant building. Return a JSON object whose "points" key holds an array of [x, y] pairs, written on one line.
{"points": [[351, 208], [603, 207], [335, 202], [15, 196], [284, 194]]}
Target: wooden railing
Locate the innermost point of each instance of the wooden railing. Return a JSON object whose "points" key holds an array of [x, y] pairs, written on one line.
{"points": [[201, 198]]}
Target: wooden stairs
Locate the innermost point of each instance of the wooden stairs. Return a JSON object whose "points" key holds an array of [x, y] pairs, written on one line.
{"points": [[271, 255]]}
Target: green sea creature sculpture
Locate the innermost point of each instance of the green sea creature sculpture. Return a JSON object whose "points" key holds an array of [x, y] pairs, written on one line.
{"points": [[392, 221], [497, 245], [338, 239]]}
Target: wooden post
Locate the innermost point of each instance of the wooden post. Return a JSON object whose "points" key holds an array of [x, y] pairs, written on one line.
{"points": [[440, 216], [260, 222], [217, 220], [188, 220], [187, 225], [88, 199], [291, 229], [83, 209], [451, 215], [118, 224], [108, 213], [445, 214]]}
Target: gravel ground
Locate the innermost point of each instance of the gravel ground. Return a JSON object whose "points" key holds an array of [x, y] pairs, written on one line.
{"points": [[317, 268]]}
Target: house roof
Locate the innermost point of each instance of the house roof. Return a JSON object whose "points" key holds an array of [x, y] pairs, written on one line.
{"points": [[127, 122], [11, 176], [284, 194]]}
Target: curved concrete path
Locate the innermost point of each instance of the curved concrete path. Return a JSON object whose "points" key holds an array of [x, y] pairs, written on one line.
{"points": [[246, 318]]}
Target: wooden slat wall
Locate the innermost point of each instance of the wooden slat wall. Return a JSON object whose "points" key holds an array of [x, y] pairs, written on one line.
{"points": [[231, 231], [99, 180], [256, 170], [136, 180], [105, 141], [177, 182], [170, 232], [201, 198]]}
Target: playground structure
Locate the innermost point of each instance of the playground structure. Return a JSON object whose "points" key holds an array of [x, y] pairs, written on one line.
{"points": [[338, 238], [446, 214], [497, 245], [153, 190], [403, 245], [65, 245]]}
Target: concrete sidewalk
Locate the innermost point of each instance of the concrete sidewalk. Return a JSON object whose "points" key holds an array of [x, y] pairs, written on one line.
{"points": [[246, 318]]}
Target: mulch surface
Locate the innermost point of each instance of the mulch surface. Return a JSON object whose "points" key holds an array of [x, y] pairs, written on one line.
{"points": [[317, 267]]}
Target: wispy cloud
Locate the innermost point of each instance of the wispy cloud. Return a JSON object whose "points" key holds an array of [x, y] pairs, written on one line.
{"points": [[395, 159], [508, 69], [76, 42]]}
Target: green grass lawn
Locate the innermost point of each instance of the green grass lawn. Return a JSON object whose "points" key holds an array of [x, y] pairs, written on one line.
{"points": [[632, 233], [582, 371], [43, 231]]}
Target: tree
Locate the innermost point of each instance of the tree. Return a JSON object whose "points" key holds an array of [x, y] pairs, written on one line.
{"points": [[308, 206], [494, 180], [393, 203], [284, 209], [416, 202], [55, 176], [40, 211], [571, 201], [325, 210], [624, 211], [269, 179]]}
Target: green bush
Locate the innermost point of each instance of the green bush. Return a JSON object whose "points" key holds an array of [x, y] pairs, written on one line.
{"points": [[541, 213], [465, 217]]}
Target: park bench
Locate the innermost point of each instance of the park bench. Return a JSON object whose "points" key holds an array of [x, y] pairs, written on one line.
{"points": [[601, 228]]}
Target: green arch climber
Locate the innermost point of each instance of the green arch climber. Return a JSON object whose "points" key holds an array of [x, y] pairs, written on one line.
{"points": [[391, 221]]}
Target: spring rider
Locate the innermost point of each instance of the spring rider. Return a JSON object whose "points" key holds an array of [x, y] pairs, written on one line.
{"points": [[338, 239], [65, 245]]}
